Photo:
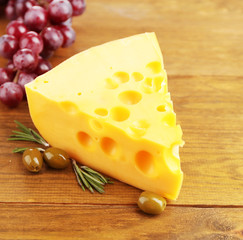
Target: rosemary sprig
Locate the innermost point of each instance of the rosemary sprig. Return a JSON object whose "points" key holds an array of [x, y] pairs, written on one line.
{"points": [[27, 134], [21, 150], [89, 178], [86, 177], [97, 175]]}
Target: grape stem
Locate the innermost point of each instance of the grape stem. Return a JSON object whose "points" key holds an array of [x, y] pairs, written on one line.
{"points": [[43, 3], [16, 77]]}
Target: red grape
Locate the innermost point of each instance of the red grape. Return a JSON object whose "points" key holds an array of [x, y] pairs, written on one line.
{"points": [[52, 37], [8, 46], [43, 66], [11, 94], [46, 53], [20, 19], [36, 18], [38, 28], [25, 78], [10, 10], [4, 76], [16, 28], [25, 60], [31, 40], [59, 11], [67, 22], [78, 6], [22, 6], [68, 35], [11, 69], [10, 66]]}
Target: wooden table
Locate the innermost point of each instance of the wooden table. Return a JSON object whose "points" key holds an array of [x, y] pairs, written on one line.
{"points": [[202, 44]]}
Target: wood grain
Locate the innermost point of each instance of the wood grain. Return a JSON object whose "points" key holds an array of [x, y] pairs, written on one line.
{"points": [[196, 37], [203, 53], [211, 159], [116, 222]]}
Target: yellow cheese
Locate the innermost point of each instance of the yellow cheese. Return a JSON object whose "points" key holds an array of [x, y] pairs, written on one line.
{"points": [[110, 109]]}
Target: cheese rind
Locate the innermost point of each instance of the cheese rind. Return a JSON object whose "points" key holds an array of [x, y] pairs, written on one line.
{"points": [[109, 108]]}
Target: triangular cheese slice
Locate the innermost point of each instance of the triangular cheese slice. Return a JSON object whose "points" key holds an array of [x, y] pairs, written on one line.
{"points": [[110, 109]]}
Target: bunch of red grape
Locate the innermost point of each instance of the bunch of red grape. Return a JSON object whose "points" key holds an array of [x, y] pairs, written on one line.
{"points": [[36, 30]]}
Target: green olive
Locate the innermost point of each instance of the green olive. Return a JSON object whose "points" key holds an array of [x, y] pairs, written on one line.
{"points": [[32, 159], [151, 203], [56, 158]]}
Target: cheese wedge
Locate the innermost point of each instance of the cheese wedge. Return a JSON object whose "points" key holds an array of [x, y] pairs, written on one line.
{"points": [[110, 109]]}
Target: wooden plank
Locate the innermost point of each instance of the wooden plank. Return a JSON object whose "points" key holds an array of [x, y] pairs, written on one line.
{"points": [[209, 111], [39, 222], [212, 120], [207, 35], [196, 37], [202, 46]]}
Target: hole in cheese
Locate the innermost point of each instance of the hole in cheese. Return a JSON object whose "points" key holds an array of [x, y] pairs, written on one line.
{"points": [[157, 81], [130, 97], [150, 85], [121, 77], [101, 111], [148, 82], [161, 108], [85, 139], [144, 161], [163, 88], [147, 85], [139, 128], [95, 125], [119, 114], [111, 83], [172, 157], [79, 93], [137, 76], [69, 107], [109, 146], [141, 124], [154, 67], [169, 119]]}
